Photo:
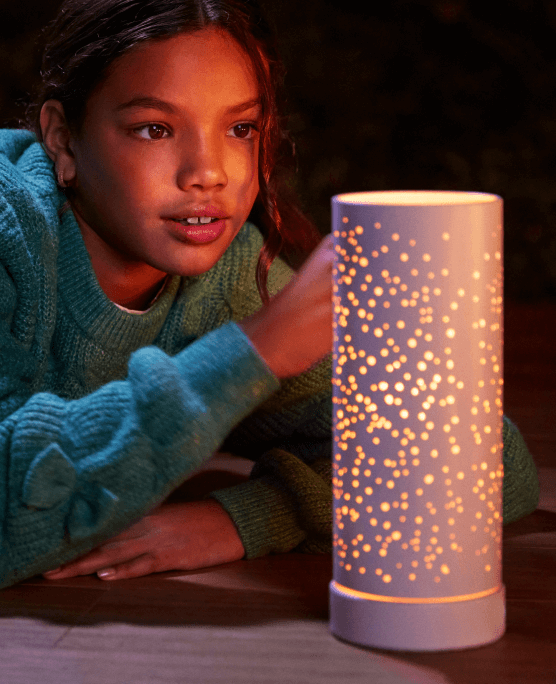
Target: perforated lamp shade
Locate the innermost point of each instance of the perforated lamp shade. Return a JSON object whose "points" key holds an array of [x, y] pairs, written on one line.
{"points": [[417, 392]]}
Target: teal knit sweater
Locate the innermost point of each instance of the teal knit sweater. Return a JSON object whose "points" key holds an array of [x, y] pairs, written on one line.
{"points": [[103, 412]]}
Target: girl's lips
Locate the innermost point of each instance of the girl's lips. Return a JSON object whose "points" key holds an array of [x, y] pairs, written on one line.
{"points": [[199, 233]]}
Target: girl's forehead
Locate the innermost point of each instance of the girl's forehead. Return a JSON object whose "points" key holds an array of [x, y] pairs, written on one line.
{"points": [[199, 61]]}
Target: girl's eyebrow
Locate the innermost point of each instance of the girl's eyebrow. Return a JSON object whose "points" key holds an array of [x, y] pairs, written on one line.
{"points": [[146, 102]]}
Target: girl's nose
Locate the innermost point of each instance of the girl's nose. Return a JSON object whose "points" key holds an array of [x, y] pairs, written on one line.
{"points": [[202, 164]]}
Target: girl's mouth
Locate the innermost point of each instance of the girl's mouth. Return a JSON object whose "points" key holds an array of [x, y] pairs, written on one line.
{"points": [[199, 230]]}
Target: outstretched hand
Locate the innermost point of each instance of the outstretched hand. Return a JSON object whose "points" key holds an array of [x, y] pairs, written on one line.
{"points": [[179, 536]]}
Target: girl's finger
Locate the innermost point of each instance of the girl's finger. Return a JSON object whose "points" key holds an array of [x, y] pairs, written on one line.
{"points": [[138, 567]]}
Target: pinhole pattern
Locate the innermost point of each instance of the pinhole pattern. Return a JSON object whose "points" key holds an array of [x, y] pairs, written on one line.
{"points": [[417, 392]]}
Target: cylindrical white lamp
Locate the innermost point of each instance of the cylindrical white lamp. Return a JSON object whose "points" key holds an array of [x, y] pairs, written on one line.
{"points": [[417, 451]]}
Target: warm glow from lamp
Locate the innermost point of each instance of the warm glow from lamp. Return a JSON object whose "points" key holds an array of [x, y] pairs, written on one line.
{"points": [[417, 451]]}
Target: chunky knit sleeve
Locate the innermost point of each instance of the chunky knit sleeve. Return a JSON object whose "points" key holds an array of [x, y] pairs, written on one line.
{"points": [[78, 472]]}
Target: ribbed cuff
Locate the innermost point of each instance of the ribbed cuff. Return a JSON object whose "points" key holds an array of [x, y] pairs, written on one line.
{"points": [[521, 481], [264, 516]]}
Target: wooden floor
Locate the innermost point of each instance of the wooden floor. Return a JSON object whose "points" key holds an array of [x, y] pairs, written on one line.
{"points": [[267, 620]]}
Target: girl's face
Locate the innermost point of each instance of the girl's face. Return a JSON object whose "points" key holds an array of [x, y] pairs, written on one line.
{"points": [[170, 134]]}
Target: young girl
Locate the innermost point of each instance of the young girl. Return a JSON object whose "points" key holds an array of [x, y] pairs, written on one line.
{"points": [[133, 340]]}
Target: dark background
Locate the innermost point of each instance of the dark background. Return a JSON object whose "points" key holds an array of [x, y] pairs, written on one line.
{"points": [[403, 94]]}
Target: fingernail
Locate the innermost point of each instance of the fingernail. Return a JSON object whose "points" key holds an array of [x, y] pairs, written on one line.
{"points": [[52, 572], [107, 573]]}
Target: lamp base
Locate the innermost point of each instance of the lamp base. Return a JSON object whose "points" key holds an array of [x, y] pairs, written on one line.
{"points": [[417, 626]]}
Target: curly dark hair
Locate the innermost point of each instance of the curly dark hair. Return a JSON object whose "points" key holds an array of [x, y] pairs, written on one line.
{"points": [[85, 38]]}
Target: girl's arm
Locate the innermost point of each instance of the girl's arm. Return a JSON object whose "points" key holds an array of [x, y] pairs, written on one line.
{"points": [[79, 471]]}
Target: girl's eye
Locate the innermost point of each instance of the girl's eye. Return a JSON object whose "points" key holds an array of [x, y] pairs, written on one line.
{"points": [[152, 132], [244, 130]]}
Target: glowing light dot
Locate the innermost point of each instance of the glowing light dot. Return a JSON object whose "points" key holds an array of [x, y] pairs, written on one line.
{"points": [[426, 257], [445, 236], [363, 261], [428, 479], [387, 578], [444, 569], [404, 413], [476, 275], [399, 386], [395, 237], [404, 256], [377, 225], [371, 360], [412, 576], [359, 230], [412, 342], [451, 333]]}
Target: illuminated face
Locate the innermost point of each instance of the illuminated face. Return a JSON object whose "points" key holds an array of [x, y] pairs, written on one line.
{"points": [[167, 161]]}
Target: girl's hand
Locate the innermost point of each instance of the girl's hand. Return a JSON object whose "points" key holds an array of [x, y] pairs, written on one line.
{"points": [[295, 330], [181, 536]]}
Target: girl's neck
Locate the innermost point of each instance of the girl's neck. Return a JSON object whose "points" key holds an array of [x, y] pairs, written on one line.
{"points": [[132, 285]]}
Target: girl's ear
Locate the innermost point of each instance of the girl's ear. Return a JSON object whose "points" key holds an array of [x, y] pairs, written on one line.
{"points": [[56, 140]]}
